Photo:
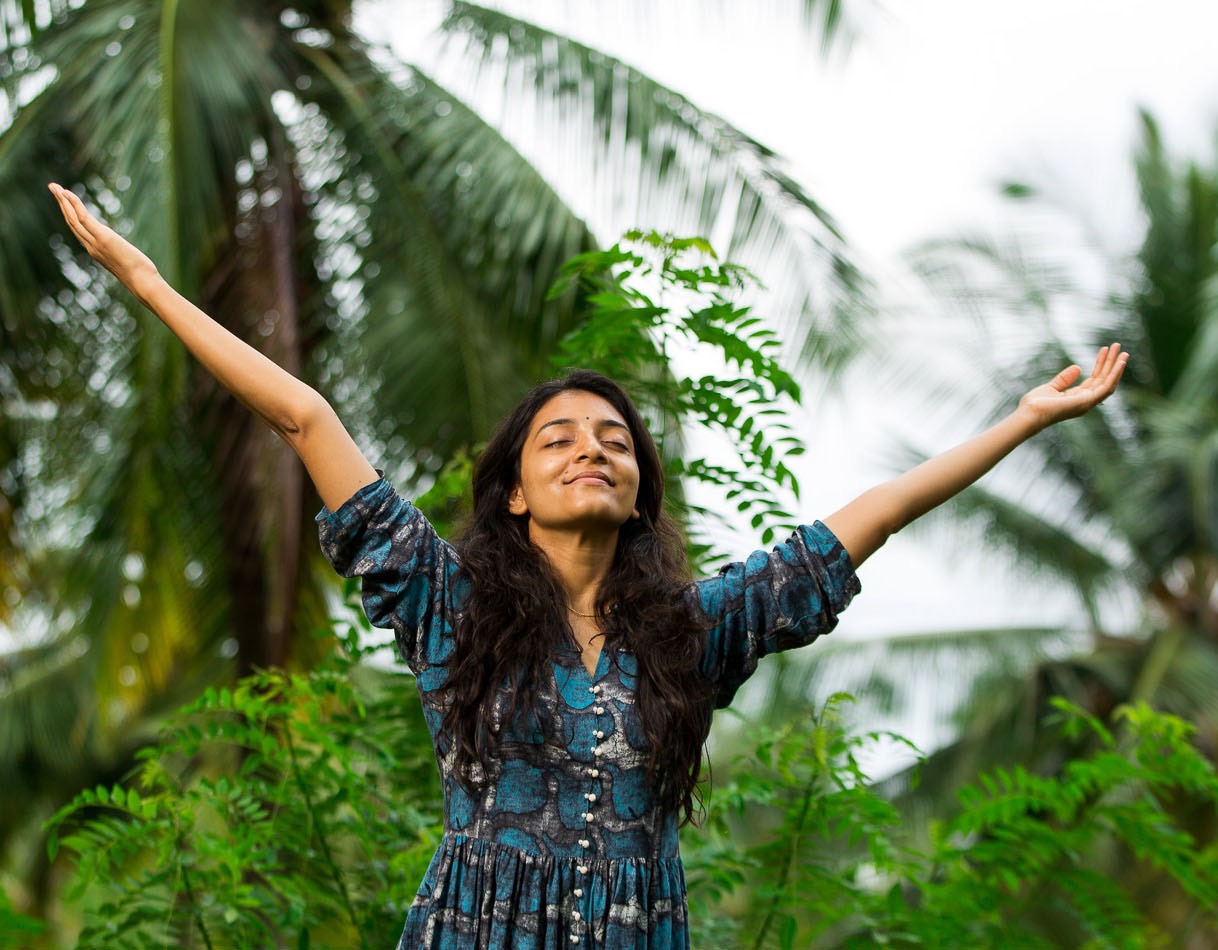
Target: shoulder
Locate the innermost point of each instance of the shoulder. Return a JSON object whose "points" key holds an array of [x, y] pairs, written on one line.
{"points": [[378, 524]]}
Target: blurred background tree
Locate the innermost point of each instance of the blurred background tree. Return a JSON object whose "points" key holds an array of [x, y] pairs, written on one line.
{"points": [[1118, 508], [360, 224], [1122, 507]]}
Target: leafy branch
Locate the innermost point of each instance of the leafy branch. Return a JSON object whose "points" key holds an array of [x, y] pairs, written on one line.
{"points": [[1030, 860], [661, 310]]}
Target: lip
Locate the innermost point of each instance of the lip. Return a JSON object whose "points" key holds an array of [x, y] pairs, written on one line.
{"points": [[591, 477]]}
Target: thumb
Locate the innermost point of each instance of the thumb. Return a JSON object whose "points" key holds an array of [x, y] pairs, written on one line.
{"points": [[1066, 378]]}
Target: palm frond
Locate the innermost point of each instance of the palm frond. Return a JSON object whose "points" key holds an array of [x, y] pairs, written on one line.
{"points": [[648, 148], [464, 239], [426, 303], [176, 102]]}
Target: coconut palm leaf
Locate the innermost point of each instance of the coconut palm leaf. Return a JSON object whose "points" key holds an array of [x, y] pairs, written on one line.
{"points": [[1119, 503], [699, 173], [453, 319]]}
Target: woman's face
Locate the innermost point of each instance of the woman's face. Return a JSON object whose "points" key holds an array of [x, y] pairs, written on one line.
{"points": [[578, 469]]}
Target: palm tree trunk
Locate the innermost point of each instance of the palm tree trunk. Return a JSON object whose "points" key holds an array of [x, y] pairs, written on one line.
{"points": [[254, 292]]}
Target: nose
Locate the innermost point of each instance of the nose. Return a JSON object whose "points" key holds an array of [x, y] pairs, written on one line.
{"points": [[590, 446]]}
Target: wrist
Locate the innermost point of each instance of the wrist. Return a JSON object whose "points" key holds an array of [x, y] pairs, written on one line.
{"points": [[1028, 421], [145, 282]]}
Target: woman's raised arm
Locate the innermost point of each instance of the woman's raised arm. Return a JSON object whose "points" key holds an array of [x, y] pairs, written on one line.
{"points": [[868, 521], [293, 409]]}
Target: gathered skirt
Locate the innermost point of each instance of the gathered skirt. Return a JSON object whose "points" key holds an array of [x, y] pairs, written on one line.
{"points": [[480, 893]]}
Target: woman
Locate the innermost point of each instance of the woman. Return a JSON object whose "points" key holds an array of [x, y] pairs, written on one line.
{"points": [[566, 664]]}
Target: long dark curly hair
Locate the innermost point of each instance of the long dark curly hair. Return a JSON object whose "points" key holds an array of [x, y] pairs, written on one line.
{"points": [[516, 613]]}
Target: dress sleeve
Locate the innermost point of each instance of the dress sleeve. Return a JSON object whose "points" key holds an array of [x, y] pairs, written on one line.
{"points": [[406, 568], [773, 601]]}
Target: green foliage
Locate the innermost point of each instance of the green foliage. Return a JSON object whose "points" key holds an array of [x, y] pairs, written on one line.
{"points": [[657, 303], [16, 929], [660, 304], [293, 810], [830, 866], [797, 833], [317, 813]]}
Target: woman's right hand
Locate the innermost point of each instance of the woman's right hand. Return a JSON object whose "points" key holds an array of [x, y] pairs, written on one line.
{"points": [[105, 245]]}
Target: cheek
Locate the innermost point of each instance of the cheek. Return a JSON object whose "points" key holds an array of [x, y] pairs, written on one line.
{"points": [[636, 489]]}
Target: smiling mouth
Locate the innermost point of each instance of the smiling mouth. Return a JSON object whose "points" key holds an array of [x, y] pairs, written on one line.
{"points": [[591, 477]]}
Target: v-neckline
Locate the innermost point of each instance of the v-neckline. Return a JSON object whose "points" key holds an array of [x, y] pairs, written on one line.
{"points": [[593, 675]]}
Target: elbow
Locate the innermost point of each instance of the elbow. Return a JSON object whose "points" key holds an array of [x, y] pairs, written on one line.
{"points": [[896, 521], [889, 514], [888, 519], [302, 414]]}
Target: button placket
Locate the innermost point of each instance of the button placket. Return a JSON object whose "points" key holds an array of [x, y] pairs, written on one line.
{"points": [[585, 843]]}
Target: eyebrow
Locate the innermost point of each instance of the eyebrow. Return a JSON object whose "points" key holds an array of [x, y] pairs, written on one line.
{"points": [[602, 423]]}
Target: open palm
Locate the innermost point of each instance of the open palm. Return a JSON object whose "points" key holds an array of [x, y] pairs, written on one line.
{"points": [[1061, 399]]}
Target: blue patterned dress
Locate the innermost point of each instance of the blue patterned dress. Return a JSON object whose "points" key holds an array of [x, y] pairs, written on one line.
{"points": [[564, 846]]}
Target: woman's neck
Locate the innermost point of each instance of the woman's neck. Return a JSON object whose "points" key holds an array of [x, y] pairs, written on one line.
{"points": [[581, 560]]}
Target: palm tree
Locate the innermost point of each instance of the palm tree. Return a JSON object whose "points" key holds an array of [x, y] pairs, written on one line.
{"points": [[1123, 504], [1120, 507], [357, 220]]}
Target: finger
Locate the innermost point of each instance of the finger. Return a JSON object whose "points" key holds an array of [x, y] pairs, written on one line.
{"points": [[1101, 362], [79, 231], [78, 218], [1105, 361], [1105, 382], [68, 210], [1117, 371], [65, 206], [1109, 372], [58, 192], [87, 222], [1066, 378]]}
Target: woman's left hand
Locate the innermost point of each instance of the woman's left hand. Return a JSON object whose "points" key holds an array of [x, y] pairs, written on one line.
{"points": [[1062, 399]]}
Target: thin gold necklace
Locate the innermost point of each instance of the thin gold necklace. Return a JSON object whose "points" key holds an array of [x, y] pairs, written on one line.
{"points": [[578, 614]]}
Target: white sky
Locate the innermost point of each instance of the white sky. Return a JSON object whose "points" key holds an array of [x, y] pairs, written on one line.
{"points": [[903, 138]]}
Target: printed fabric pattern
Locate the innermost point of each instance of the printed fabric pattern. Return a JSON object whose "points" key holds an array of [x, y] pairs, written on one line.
{"points": [[563, 846]]}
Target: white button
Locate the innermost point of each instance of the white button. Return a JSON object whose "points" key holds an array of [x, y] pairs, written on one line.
{"points": [[587, 816], [591, 796], [598, 710], [595, 773], [574, 939], [584, 842], [576, 915], [599, 734], [596, 750], [594, 689], [579, 892], [582, 869]]}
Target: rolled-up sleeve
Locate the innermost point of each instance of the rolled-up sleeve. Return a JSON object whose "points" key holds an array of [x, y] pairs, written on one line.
{"points": [[773, 601], [406, 569]]}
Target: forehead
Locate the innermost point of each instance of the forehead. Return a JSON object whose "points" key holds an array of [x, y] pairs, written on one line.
{"points": [[577, 405]]}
